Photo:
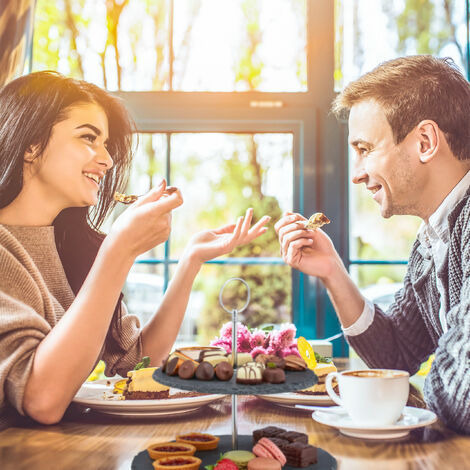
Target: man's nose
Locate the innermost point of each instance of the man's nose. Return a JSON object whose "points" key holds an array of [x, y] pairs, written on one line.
{"points": [[359, 174]]}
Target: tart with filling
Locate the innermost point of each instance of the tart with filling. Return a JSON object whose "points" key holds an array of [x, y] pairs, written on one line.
{"points": [[180, 462], [199, 440], [170, 449]]}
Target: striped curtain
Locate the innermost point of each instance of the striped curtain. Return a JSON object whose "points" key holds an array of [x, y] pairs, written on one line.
{"points": [[16, 31]]}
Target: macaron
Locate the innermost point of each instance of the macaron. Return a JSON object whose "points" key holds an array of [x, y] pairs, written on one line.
{"points": [[261, 463], [240, 457], [267, 449]]}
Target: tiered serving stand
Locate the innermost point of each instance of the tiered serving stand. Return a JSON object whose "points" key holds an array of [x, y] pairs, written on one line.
{"points": [[294, 381]]}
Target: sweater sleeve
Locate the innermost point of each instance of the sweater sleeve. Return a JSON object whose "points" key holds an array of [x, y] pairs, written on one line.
{"points": [[447, 386], [397, 339], [22, 328], [130, 340]]}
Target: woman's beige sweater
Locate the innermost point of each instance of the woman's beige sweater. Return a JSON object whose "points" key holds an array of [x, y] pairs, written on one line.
{"points": [[34, 295]]}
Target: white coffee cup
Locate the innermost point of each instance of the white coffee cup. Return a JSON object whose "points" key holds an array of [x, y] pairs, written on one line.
{"points": [[372, 397]]}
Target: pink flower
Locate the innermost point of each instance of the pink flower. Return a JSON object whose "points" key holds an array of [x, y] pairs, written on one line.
{"points": [[226, 331], [222, 343], [294, 350], [258, 350], [243, 339], [284, 337], [257, 339]]}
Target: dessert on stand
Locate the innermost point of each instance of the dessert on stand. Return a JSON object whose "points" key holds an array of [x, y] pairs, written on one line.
{"points": [[212, 370]]}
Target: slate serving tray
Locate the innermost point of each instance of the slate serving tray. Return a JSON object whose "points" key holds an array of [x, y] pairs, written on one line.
{"points": [[326, 461], [294, 381]]}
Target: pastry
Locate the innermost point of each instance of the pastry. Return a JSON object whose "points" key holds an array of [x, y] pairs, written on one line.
{"points": [[205, 353], [242, 358], [269, 431], [294, 436], [266, 448], [214, 360], [170, 449], [321, 371], [183, 462], [250, 374], [299, 454], [141, 386], [205, 371], [294, 362], [261, 463], [274, 375], [317, 220], [187, 369], [240, 457], [194, 352], [224, 371], [276, 360], [199, 440], [173, 365]]}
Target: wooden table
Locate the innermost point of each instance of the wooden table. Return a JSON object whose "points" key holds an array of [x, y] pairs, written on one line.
{"points": [[89, 441]]}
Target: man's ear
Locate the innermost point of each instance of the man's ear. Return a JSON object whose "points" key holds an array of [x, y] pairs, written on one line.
{"points": [[428, 140]]}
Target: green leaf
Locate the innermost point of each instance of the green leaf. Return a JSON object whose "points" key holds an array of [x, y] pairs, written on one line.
{"points": [[320, 358], [145, 362]]}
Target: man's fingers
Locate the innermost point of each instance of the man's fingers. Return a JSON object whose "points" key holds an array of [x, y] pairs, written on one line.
{"points": [[288, 219], [290, 237]]}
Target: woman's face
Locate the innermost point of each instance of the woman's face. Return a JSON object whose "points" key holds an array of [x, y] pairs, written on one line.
{"points": [[69, 172]]}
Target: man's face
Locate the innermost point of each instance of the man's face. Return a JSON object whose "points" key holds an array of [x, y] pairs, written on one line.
{"points": [[391, 172]]}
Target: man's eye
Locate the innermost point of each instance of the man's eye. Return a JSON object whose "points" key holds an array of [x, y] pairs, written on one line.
{"points": [[361, 150], [90, 137]]}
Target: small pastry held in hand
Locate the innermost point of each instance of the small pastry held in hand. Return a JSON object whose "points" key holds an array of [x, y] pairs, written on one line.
{"points": [[317, 220]]}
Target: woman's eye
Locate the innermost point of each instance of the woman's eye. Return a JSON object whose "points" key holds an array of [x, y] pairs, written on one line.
{"points": [[90, 137]]}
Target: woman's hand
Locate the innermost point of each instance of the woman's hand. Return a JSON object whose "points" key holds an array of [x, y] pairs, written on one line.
{"points": [[147, 222], [210, 244], [309, 251]]}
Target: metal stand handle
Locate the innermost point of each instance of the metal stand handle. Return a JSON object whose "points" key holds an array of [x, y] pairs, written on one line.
{"points": [[234, 314]]}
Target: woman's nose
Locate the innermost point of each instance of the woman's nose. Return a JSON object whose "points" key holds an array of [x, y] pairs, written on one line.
{"points": [[104, 158]]}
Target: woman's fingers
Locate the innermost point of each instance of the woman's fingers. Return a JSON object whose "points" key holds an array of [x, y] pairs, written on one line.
{"points": [[259, 228], [224, 229], [246, 222]]}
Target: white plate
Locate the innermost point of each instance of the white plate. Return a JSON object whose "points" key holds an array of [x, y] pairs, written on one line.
{"points": [[411, 418], [98, 396], [289, 400]]}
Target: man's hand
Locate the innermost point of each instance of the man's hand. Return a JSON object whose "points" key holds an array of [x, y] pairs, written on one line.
{"points": [[309, 251], [210, 244]]}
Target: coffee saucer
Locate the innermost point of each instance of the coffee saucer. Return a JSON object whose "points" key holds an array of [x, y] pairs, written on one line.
{"points": [[411, 418]]}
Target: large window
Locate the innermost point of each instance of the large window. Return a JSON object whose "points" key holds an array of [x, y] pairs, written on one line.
{"points": [[231, 100], [369, 32], [229, 109]]}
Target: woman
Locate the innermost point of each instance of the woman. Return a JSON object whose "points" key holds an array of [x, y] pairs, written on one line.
{"points": [[65, 146]]}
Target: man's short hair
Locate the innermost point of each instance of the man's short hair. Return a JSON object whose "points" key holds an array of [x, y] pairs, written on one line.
{"points": [[412, 89]]}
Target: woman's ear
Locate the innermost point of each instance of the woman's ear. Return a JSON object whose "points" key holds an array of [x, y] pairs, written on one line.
{"points": [[31, 154], [428, 140]]}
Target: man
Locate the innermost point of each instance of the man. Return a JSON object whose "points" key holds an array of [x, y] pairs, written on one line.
{"points": [[409, 125]]}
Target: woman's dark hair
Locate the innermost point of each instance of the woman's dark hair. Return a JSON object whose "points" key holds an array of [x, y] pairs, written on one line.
{"points": [[29, 108]]}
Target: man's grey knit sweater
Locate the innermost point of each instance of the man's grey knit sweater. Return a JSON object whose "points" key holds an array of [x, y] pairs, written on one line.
{"points": [[404, 336]]}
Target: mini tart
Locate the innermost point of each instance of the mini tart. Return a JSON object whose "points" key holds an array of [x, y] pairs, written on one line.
{"points": [[170, 449], [180, 462], [199, 440]]}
